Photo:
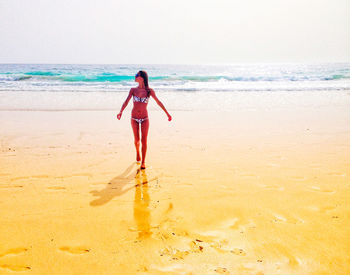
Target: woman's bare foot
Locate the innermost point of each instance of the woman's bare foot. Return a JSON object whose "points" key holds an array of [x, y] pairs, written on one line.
{"points": [[143, 166]]}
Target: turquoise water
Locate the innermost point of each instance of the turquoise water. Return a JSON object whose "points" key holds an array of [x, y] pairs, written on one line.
{"points": [[173, 78]]}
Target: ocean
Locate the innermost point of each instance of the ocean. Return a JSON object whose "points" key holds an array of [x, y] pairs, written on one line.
{"points": [[73, 86]]}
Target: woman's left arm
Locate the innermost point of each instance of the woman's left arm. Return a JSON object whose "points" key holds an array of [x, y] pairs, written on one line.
{"points": [[153, 94]]}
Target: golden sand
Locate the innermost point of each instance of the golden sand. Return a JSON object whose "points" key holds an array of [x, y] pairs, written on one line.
{"points": [[246, 192]]}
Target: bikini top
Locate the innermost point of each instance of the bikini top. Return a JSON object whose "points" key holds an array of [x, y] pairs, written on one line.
{"points": [[140, 99]]}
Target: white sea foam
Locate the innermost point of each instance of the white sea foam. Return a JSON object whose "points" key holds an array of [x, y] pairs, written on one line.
{"points": [[189, 78], [102, 87]]}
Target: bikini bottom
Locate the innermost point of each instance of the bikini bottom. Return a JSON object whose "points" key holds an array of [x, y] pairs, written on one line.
{"points": [[139, 120]]}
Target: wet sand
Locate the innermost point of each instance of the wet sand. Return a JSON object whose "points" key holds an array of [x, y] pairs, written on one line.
{"points": [[254, 191]]}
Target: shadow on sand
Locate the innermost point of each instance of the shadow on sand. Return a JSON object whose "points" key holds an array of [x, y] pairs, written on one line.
{"points": [[116, 186]]}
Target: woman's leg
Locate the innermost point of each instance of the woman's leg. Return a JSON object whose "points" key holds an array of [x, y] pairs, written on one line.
{"points": [[144, 133], [136, 131]]}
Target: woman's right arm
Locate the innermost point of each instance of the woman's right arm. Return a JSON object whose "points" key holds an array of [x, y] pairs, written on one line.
{"points": [[125, 103]]}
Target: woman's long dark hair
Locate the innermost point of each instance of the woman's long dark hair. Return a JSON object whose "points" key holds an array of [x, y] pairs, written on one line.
{"points": [[144, 75]]}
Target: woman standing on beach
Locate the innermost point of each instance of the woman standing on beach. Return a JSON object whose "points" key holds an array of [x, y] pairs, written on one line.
{"points": [[139, 115]]}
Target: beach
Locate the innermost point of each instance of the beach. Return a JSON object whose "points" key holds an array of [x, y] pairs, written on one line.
{"points": [[241, 183]]}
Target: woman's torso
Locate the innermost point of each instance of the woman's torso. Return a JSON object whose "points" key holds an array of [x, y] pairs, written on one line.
{"points": [[140, 103]]}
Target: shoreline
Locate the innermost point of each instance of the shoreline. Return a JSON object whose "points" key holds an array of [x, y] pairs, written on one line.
{"points": [[174, 101]]}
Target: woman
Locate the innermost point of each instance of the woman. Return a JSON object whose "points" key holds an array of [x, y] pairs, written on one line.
{"points": [[139, 115]]}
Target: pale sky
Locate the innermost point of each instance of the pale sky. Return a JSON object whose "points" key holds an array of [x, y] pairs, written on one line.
{"points": [[172, 32]]}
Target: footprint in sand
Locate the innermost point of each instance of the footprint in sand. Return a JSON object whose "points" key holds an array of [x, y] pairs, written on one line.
{"points": [[284, 255], [238, 251], [322, 209], [15, 267], [291, 220], [235, 251], [195, 246], [174, 253], [323, 190], [11, 186], [75, 250], [142, 268], [14, 251], [221, 270], [18, 178], [279, 218], [222, 247], [337, 174], [177, 254], [327, 208], [237, 224], [176, 268]]}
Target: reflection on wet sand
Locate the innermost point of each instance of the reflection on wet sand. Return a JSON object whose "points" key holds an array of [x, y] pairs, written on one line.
{"points": [[142, 213], [124, 183]]}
